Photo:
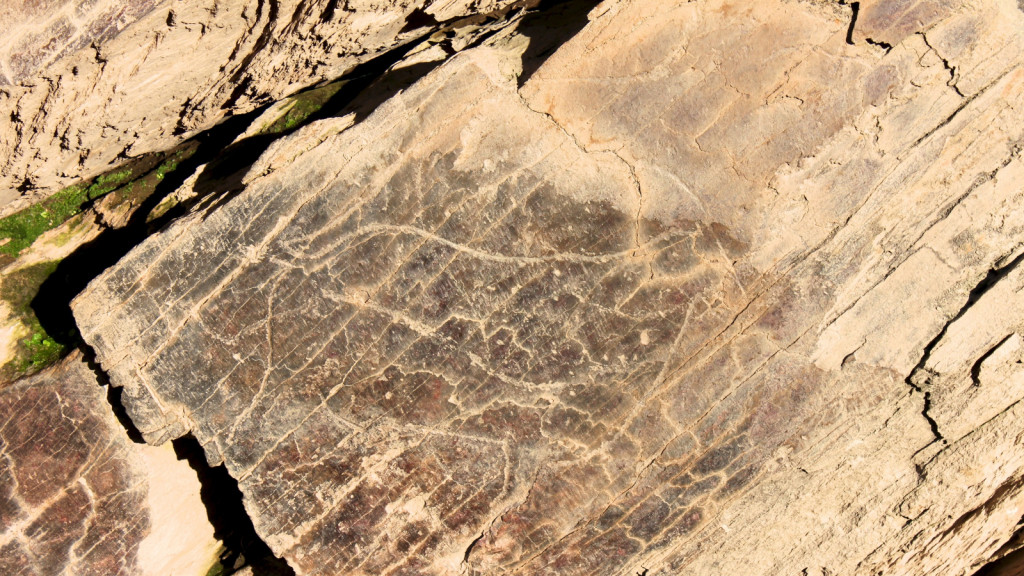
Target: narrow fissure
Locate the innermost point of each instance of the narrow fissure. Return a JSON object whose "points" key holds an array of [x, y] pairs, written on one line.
{"points": [[945, 64], [920, 376], [976, 367], [219, 493], [883, 45], [113, 396], [855, 9]]}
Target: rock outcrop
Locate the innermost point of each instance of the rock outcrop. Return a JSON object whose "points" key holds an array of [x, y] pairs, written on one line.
{"points": [[78, 497], [719, 288], [89, 84]]}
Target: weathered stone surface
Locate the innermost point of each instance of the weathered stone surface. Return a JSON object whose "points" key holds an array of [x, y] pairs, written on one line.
{"points": [[95, 82], [40, 32], [722, 288], [78, 497]]}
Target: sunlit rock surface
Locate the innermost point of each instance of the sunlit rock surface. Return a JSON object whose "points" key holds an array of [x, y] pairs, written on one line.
{"points": [[78, 497], [88, 84], [720, 288]]}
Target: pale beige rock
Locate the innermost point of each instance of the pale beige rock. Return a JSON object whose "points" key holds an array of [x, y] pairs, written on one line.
{"points": [[181, 540], [99, 81]]}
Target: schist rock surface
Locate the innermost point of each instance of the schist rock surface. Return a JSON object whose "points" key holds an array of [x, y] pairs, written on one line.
{"points": [[78, 497], [88, 84], [718, 288]]}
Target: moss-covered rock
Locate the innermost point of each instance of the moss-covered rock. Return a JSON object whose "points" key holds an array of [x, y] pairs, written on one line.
{"points": [[35, 349]]}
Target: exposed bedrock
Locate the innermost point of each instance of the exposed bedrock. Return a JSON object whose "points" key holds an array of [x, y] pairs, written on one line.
{"points": [[78, 497], [719, 288], [86, 85]]}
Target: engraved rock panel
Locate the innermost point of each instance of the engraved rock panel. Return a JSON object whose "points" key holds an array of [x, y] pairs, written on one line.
{"points": [[672, 305]]}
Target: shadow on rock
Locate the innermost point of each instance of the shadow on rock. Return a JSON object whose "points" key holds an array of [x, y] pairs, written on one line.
{"points": [[231, 524], [548, 26]]}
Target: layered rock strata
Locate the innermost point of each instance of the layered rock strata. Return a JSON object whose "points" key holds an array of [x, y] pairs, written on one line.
{"points": [[86, 85], [720, 288], [78, 497]]}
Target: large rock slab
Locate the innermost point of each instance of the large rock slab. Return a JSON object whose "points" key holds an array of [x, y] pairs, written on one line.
{"points": [[721, 288], [78, 497], [86, 84]]}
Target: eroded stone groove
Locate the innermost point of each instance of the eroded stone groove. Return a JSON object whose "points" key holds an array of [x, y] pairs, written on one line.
{"points": [[640, 313]]}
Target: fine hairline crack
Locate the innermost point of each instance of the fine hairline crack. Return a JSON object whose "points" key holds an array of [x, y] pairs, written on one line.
{"points": [[579, 145]]}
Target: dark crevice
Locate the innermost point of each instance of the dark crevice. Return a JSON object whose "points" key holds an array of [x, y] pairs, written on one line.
{"points": [[218, 492], [855, 9], [328, 14], [1011, 564], [221, 178], [469, 549], [920, 377], [926, 412], [179, 127], [418, 19], [549, 25], [363, 90], [231, 524], [113, 395], [883, 45], [117, 406], [1008, 560], [976, 368], [945, 64], [237, 92]]}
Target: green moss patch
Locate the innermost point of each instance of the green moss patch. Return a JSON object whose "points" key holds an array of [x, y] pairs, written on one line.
{"points": [[22, 228], [217, 569], [18, 231], [143, 186], [39, 349], [305, 105], [133, 183]]}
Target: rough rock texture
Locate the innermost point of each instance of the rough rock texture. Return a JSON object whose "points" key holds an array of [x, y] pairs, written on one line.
{"points": [[40, 32], [96, 82], [721, 288], [78, 497]]}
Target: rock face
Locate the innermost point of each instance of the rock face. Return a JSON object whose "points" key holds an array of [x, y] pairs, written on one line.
{"points": [[720, 288], [78, 497], [87, 84]]}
